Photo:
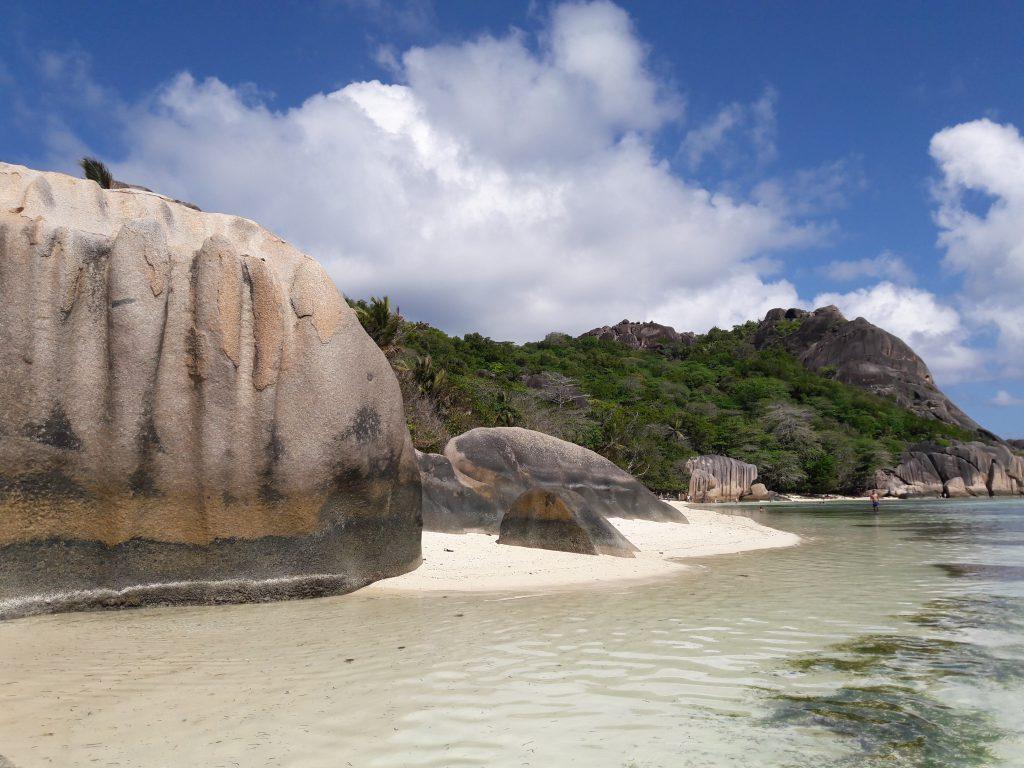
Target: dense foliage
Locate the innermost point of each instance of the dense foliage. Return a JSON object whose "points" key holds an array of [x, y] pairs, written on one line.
{"points": [[649, 411]]}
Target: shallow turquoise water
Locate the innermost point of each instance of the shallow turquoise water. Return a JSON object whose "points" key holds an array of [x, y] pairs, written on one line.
{"points": [[893, 640]]}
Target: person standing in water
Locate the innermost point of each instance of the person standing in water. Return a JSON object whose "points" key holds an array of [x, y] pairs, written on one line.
{"points": [[874, 500]]}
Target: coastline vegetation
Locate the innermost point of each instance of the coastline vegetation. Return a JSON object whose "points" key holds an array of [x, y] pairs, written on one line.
{"points": [[649, 411]]}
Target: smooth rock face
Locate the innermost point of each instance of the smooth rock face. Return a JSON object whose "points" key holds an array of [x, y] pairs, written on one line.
{"points": [[189, 412], [641, 335], [955, 489], [492, 467], [719, 478], [959, 469], [863, 355], [449, 504], [562, 521], [758, 492]]}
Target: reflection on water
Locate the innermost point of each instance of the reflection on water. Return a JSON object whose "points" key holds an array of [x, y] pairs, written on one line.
{"points": [[851, 649]]}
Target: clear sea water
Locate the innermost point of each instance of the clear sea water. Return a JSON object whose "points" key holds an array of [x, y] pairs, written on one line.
{"points": [[889, 640]]}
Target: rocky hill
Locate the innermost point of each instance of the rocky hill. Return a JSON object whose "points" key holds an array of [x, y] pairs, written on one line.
{"points": [[864, 355], [854, 352], [650, 399], [642, 335]]}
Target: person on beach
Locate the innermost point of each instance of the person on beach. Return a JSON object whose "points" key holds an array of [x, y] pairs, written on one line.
{"points": [[874, 500]]}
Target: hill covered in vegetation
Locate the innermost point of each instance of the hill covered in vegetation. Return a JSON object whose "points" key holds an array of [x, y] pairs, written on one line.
{"points": [[648, 410]]}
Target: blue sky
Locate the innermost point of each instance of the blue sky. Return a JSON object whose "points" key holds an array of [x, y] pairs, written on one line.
{"points": [[522, 167]]}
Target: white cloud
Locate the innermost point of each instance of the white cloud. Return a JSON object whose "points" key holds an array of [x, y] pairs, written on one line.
{"points": [[709, 137], [1005, 400], [738, 134], [730, 300], [885, 266], [812, 191], [505, 188], [934, 330], [413, 17], [764, 126], [985, 160]]}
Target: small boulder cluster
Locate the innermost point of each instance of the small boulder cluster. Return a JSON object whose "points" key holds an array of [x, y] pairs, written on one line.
{"points": [[957, 470], [719, 478]]}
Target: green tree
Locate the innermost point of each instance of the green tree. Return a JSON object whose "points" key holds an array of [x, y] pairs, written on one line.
{"points": [[429, 379], [379, 322]]}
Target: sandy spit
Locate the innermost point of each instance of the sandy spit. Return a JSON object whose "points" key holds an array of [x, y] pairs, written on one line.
{"points": [[475, 562]]}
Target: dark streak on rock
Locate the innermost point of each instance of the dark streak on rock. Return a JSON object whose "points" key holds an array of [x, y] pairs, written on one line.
{"points": [[41, 485], [56, 430], [366, 426]]}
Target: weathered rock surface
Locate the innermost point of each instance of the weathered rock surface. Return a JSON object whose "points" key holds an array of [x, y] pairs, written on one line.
{"points": [[959, 469], [641, 335], [863, 355], [561, 520], [449, 504], [758, 492], [189, 412], [719, 478], [955, 489], [492, 467]]}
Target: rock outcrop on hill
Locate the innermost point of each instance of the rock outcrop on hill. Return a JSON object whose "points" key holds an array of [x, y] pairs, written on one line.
{"points": [[641, 335], [719, 478], [863, 355], [189, 412], [957, 470], [490, 467], [561, 520], [1017, 444]]}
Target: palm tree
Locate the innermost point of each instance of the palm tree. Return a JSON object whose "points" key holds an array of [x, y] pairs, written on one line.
{"points": [[507, 415], [379, 321], [429, 380], [96, 171]]}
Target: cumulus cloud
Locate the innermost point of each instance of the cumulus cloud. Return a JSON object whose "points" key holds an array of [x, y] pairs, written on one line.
{"points": [[503, 186], [732, 299], [1005, 400], [934, 330], [981, 217], [886, 266]]}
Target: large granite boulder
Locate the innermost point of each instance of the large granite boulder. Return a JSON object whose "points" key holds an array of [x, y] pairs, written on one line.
{"points": [[491, 467], [955, 489], [719, 478], [863, 355], [958, 469], [189, 412], [758, 492], [561, 520], [642, 335], [450, 504]]}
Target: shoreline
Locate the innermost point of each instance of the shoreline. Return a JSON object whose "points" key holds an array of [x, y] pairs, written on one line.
{"points": [[474, 562]]}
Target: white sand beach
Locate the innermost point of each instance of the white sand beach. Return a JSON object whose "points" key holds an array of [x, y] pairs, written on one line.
{"points": [[475, 562]]}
